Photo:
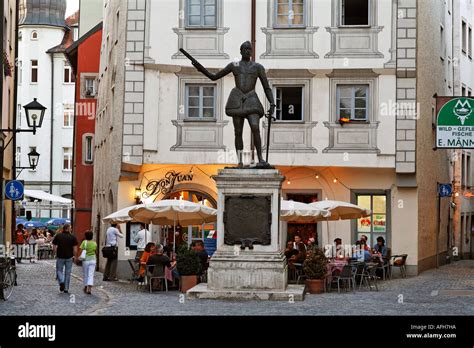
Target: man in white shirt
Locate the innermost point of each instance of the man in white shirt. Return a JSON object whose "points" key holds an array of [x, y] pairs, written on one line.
{"points": [[142, 238], [113, 232]]}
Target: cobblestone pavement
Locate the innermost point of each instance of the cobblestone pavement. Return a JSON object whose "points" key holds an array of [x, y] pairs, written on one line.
{"points": [[431, 293]]}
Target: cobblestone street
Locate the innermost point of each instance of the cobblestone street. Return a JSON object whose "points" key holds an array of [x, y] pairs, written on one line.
{"points": [[435, 292]]}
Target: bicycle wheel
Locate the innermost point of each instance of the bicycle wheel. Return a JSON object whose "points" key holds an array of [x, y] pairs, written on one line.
{"points": [[8, 283]]}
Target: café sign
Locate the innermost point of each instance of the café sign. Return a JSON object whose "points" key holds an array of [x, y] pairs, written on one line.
{"points": [[166, 184], [455, 123]]}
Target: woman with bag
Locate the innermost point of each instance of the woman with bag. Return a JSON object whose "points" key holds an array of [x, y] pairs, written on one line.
{"points": [[88, 258]]}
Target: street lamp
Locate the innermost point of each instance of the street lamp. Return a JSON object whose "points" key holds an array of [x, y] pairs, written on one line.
{"points": [[138, 195], [33, 158], [34, 114]]}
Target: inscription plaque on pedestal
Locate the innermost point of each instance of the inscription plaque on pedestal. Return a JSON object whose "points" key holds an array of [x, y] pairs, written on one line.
{"points": [[247, 219]]}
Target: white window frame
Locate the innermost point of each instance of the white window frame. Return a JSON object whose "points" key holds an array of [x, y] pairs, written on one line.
{"points": [[369, 16], [464, 36], [201, 25], [67, 157], [469, 42], [201, 96], [290, 8], [18, 157], [34, 67], [367, 101], [19, 113], [88, 156], [94, 89], [69, 111], [278, 107], [68, 67]]}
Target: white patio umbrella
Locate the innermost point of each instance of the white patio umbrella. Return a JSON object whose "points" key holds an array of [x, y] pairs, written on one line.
{"points": [[121, 216], [172, 211], [340, 211], [297, 211]]}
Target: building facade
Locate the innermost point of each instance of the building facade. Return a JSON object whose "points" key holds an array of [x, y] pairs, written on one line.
{"points": [[354, 85], [45, 74], [7, 107], [84, 56]]}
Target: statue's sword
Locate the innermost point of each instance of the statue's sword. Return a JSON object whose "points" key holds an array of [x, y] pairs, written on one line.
{"points": [[270, 119]]}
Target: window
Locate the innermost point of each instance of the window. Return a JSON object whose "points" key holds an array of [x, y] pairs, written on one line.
{"points": [[463, 90], [469, 42], [200, 101], [375, 225], [442, 40], [89, 87], [289, 103], [352, 102], [355, 12], [88, 149], [34, 35], [34, 71], [469, 92], [116, 26], [18, 157], [289, 13], [464, 36], [67, 158], [68, 117], [68, 73], [201, 13], [18, 114], [20, 71], [32, 148], [466, 170]]}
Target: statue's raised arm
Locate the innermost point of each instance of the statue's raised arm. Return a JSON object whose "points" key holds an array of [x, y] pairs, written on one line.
{"points": [[203, 70]]}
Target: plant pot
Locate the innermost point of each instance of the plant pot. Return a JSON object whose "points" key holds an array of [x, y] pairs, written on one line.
{"points": [[315, 286], [188, 282]]}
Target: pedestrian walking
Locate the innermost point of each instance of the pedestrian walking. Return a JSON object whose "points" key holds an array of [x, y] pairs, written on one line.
{"points": [[89, 263], [65, 247], [113, 232], [32, 243]]}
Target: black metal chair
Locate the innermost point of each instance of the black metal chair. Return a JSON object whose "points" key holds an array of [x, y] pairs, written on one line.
{"points": [[156, 272], [385, 267], [347, 276], [134, 266], [370, 276], [399, 261]]}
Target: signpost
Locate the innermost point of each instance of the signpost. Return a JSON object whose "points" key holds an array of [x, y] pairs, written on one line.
{"points": [[14, 190], [444, 190], [455, 123]]}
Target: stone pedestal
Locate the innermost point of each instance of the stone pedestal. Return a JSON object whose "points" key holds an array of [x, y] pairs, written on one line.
{"points": [[248, 213]]}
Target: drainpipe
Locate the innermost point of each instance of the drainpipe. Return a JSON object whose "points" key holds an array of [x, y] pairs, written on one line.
{"points": [[15, 97], [2, 202], [51, 132]]}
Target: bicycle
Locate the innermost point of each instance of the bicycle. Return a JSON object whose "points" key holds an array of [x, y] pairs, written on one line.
{"points": [[7, 278]]}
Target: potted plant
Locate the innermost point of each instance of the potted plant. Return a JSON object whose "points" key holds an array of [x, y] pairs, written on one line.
{"points": [[314, 267], [189, 268], [344, 120]]}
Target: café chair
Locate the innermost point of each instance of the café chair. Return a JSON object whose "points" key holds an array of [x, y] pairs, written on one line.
{"points": [[399, 261]]}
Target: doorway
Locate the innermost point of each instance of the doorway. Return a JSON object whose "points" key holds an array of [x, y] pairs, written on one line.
{"points": [[304, 230]]}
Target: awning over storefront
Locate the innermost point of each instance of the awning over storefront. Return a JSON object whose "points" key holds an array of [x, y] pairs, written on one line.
{"points": [[44, 196]]}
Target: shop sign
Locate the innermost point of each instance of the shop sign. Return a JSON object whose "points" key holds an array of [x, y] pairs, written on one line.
{"points": [[455, 123], [166, 184]]}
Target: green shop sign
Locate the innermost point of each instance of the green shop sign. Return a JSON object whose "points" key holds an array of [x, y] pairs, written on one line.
{"points": [[455, 124]]}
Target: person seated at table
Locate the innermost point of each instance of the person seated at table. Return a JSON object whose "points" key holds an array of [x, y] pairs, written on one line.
{"points": [[311, 244], [150, 249], [362, 253], [290, 251], [338, 250], [160, 260], [198, 247], [363, 240], [300, 254], [380, 247]]}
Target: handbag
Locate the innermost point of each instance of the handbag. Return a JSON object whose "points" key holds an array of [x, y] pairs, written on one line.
{"points": [[110, 252], [83, 253]]}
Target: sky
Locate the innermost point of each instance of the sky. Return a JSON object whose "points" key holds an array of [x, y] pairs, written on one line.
{"points": [[72, 6]]}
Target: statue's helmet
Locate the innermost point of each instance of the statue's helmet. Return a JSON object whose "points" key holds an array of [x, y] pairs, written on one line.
{"points": [[246, 44]]}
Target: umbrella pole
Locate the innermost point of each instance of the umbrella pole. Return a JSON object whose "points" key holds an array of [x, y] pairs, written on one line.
{"points": [[174, 235], [327, 227]]}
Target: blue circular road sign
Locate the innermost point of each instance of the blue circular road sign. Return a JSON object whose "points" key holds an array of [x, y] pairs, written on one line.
{"points": [[14, 190]]}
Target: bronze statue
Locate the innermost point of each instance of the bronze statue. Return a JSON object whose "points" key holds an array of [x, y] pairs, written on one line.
{"points": [[243, 102]]}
